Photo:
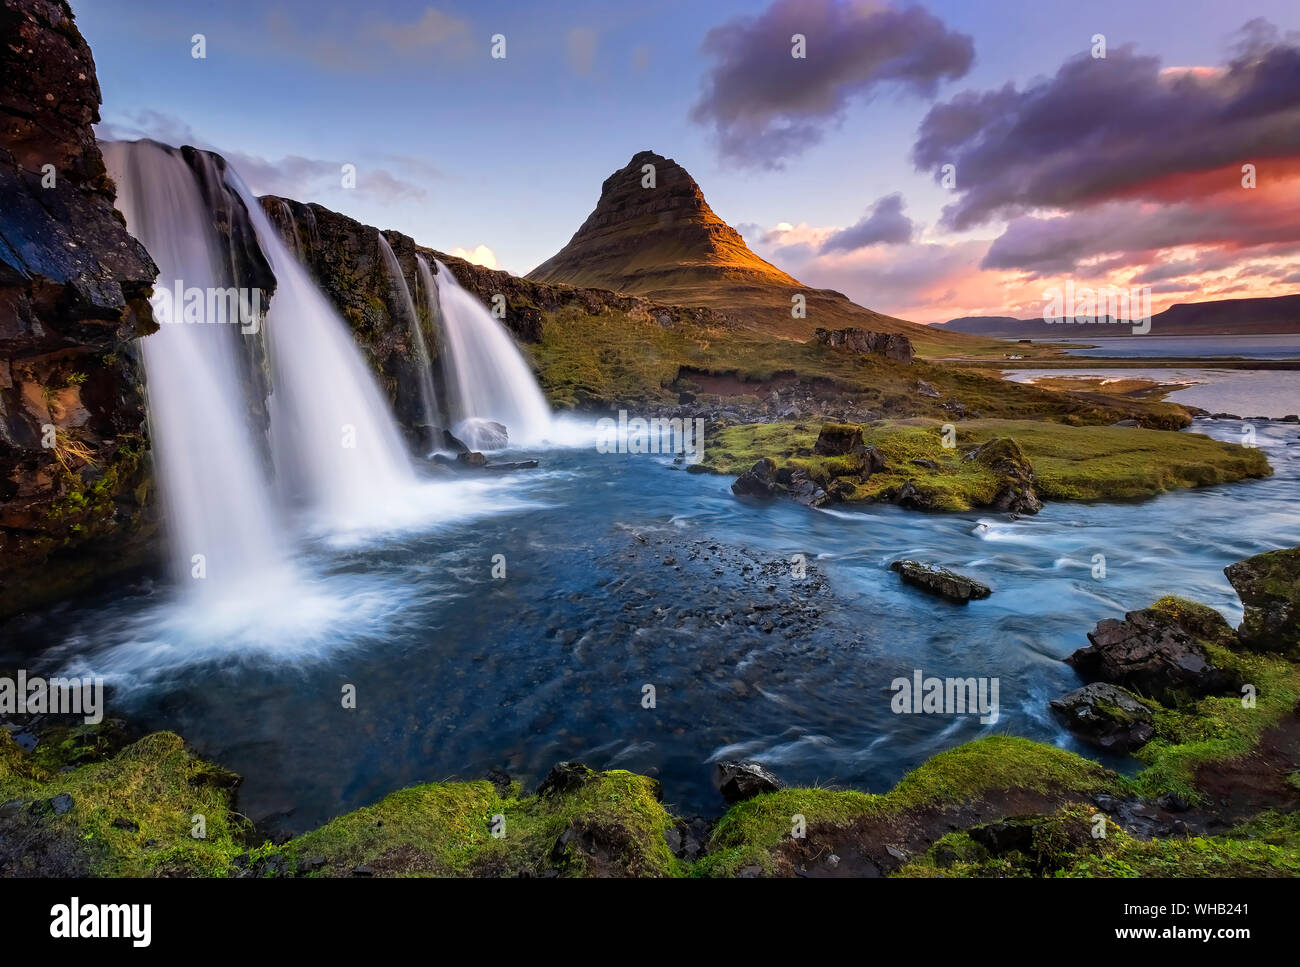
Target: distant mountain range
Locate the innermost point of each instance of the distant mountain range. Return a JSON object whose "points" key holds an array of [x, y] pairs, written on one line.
{"points": [[1233, 317]]}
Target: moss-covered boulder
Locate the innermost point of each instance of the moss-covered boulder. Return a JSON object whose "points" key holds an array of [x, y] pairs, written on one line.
{"points": [[1107, 716], [1269, 587]]}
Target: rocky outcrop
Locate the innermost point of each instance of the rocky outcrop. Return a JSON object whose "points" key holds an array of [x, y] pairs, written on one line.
{"points": [[1269, 588], [1150, 652], [891, 345], [940, 581], [1106, 716], [74, 469], [1004, 457]]}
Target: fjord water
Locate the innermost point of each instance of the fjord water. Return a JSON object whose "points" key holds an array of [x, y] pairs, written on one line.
{"points": [[217, 505], [428, 394], [458, 673], [488, 377]]}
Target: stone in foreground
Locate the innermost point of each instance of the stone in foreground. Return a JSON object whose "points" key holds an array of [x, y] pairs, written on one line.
{"points": [[743, 779], [940, 581], [1107, 716], [1269, 587]]}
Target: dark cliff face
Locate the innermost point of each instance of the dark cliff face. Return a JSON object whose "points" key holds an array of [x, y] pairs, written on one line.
{"points": [[74, 478]]}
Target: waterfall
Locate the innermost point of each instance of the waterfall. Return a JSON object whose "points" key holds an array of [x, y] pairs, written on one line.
{"points": [[488, 378], [428, 395], [334, 441], [219, 515]]}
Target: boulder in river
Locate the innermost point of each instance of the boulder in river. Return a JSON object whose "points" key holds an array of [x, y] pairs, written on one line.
{"points": [[941, 581], [1151, 653], [758, 481], [740, 779], [1269, 587], [1107, 716], [1004, 457]]}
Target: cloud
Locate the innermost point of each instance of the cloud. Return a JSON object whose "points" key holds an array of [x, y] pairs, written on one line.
{"points": [[478, 255], [766, 105], [885, 223], [580, 49], [369, 44], [292, 176], [1116, 127]]}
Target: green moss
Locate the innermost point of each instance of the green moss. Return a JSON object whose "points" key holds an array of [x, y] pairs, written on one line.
{"points": [[1216, 729], [750, 831], [1070, 463], [133, 814], [446, 829]]}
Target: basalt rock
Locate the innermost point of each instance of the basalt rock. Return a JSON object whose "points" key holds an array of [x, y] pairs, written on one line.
{"points": [[74, 478], [1107, 716], [941, 581], [1269, 587], [891, 345], [1151, 653], [758, 481], [744, 779]]}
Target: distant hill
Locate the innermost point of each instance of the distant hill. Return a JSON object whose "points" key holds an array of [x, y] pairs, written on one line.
{"points": [[1241, 317], [666, 243]]}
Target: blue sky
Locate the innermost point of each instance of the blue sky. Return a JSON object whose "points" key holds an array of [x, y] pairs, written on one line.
{"points": [[459, 149]]}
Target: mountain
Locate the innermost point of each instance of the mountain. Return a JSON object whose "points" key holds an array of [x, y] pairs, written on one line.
{"points": [[1278, 314], [665, 243]]}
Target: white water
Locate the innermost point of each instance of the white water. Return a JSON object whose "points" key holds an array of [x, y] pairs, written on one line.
{"points": [[487, 376], [428, 395], [209, 476], [334, 441]]}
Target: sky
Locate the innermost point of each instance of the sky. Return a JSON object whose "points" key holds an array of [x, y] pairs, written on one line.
{"points": [[1117, 170]]}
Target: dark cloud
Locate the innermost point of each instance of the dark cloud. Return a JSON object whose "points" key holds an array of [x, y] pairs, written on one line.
{"points": [[1052, 245], [884, 223], [766, 105], [1115, 127]]}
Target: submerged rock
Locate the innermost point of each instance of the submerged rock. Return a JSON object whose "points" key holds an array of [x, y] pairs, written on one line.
{"points": [[739, 779], [1269, 587], [940, 581], [1151, 653], [1107, 716]]}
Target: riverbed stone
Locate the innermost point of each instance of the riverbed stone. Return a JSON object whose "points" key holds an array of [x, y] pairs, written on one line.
{"points": [[941, 581]]}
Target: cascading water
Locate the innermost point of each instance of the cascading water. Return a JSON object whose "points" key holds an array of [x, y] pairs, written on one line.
{"points": [[209, 476], [334, 442], [488, 378], [428, 395]]}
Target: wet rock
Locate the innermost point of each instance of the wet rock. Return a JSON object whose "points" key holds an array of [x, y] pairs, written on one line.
{"points": [[1269, 587], [1107, 716], [941, 581], [453, 443], [1150, 653], [758, 481], [564, 777], [1004, 457], [838, 439], [804, 490], [471, 459], [739, 779]]}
